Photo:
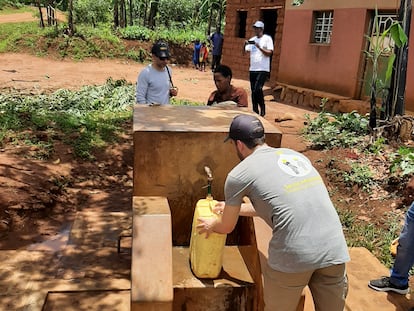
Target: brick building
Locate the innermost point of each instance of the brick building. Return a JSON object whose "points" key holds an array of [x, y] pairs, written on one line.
{"points": [[320, 47]]}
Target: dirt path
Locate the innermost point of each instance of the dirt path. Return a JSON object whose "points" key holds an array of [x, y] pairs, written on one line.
{"points": [[33, 74], [25, 183]]}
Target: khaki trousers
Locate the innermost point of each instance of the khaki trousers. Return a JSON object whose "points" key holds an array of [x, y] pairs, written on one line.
{"points": [[329, 287]]}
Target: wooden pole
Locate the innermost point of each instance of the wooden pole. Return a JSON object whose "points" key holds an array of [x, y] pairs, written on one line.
{"points": [[399, 74]]}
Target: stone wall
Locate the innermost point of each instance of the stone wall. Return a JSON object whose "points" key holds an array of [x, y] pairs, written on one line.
{"points": [[313, 99]]}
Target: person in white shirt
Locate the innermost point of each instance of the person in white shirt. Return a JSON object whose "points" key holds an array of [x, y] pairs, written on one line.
{"points": [[261, 49], [154, 83]]}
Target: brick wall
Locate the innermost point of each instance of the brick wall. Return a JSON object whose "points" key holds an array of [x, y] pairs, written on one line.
{"points": [[233, 45]]}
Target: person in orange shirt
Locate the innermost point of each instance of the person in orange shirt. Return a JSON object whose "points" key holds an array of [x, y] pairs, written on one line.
{"points": [[226, 92], [203, 56]]}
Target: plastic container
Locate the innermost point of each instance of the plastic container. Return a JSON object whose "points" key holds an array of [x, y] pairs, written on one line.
{"points": [[206, 255]]}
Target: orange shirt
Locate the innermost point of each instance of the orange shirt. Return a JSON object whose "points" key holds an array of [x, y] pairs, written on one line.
{"points": [[237, 94]]}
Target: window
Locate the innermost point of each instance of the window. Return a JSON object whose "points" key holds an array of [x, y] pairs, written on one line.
{"points": [[381, 23], [241, 24], [322, 29]]}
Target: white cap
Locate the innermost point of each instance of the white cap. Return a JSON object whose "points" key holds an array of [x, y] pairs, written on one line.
{"points": [[258, 24]]}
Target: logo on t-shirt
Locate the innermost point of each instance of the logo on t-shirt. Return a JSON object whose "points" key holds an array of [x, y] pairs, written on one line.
{"points": [[294, 165]]}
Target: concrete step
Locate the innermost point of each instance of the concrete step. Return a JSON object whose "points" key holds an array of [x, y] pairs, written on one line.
{"points": [[232, 290], [364, 266]]}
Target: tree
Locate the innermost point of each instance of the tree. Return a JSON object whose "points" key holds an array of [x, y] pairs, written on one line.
{"points": [[39, 5], [131, 13], [153, 13], [71, 29], [116, 14]]}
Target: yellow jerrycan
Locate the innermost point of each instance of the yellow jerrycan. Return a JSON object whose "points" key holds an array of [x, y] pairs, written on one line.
{"points": [[206, 255]]}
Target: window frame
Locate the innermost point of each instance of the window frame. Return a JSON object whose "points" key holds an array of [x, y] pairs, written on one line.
{"points": [[322, 27]]}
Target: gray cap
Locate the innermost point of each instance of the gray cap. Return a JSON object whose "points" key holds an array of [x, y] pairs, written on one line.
{"points": [[245, 127]]}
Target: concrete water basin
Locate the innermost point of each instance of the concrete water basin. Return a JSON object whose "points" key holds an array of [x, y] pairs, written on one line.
{"points": [[172, 145]]}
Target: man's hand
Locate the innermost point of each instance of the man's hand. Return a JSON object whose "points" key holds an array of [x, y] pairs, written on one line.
{"points": [[206, 225], [219, 207], [173, 91]]}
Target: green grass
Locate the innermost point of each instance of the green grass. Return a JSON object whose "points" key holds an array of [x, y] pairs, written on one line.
{"points": [[87, 119], [377, 239]]}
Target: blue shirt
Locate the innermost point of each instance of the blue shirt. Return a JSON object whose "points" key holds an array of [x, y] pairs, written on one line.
{"points": [[217, 40]]}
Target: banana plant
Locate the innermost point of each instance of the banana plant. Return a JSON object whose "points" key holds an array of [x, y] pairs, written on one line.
{"points": [[379, 46]]}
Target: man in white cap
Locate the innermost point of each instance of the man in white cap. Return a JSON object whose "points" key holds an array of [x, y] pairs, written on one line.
{"points": [[261, 49], [154, 83], [308, 246]]}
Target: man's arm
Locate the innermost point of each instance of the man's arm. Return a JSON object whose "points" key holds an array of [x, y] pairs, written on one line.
{"points": [[266, 52], [141, 89], [228, 220], [224, 224]]}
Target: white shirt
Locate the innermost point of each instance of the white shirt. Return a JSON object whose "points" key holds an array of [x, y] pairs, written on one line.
{"points": [[259, 61]]}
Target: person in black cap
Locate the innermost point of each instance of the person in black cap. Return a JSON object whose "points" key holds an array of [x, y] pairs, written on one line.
{"points": [[154, 83], [308, 246], [261, 49]]}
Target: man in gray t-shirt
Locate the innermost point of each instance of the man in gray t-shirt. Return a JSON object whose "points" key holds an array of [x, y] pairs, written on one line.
{"points": [[307, 246], [154, 83]]}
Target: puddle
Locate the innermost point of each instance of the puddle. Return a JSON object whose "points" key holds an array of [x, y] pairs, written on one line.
{"points": [[55, 243]]}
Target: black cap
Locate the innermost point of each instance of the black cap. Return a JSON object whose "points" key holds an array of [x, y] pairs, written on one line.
{"points": [[245, 127], [160, 49]]}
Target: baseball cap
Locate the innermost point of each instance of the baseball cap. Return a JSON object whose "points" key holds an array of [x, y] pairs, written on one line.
{"points": [[160, 49], [245, 127], [258, 24]]}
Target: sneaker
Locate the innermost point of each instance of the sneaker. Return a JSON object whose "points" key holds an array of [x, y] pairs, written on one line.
{"points": [[384, 285]]}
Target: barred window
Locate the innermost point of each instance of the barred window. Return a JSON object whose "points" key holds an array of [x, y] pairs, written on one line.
{"points": [[381, 23], [322, 29]]}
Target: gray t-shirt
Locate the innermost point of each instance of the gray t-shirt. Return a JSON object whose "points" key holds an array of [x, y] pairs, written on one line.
{"points": [[289, 194], [153, 86]]}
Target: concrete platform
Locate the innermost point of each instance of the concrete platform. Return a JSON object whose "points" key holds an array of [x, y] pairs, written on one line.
{"points": [[363, 267], [232, 290], [99, 278]]}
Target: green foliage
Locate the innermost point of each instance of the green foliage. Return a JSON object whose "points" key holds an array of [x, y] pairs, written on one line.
{"points": [[377, 146], [297, 2], [376, 239], [177, 35], [5, 6], [359, 175], [177, 13], [135, 33], [15, 34], [92, 12], [86, 119], [329, 130], [402, 162]]}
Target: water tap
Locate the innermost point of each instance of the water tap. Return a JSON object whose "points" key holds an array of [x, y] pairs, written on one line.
{"points": [[209, 180]]}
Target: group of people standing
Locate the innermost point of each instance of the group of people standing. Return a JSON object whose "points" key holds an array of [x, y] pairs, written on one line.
{"points": [[308, 247], [201, 51], [153, 89]]}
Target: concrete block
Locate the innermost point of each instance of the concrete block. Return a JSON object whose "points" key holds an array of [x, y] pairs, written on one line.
{"points": [[172, 144], [151, 266]]}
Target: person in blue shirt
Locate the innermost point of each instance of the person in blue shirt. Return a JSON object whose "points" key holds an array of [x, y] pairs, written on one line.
{"points": [[216, 40], [196, 54]]}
